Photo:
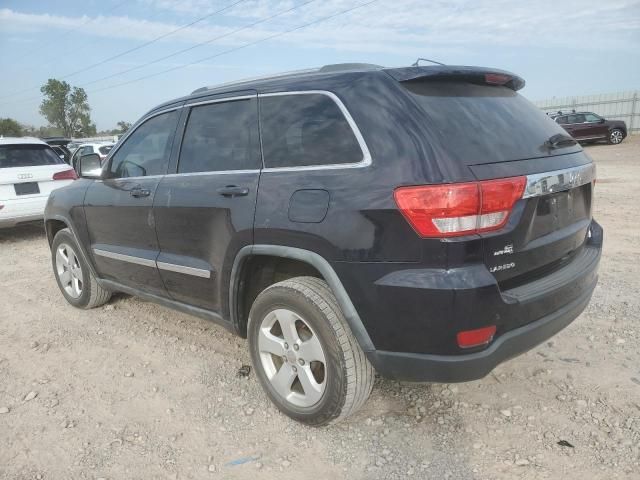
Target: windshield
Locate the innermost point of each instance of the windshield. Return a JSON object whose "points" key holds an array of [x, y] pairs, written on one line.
{"points": [[12, 156], [485, 124]]}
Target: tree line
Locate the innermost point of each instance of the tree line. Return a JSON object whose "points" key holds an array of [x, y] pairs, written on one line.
{"points": [[67, 111]]}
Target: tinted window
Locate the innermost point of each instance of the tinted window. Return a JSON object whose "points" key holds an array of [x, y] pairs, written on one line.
{"points": [[561, 120], [147, 150], [105, 150], [27, 156], [221, 136], [302, 130], [477, 124], [579, 118], [590, 117]]}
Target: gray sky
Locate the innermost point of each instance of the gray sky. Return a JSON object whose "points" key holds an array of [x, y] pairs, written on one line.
{"points": [[560, 47]]}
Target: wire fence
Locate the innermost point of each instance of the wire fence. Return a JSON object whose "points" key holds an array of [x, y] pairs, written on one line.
{"points": [[612, 106]]}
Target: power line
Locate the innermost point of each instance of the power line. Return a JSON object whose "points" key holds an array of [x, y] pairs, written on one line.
{"points": [[73, 29], [154, 40], [138, 47], [224, 52], [206, 42], [235, 49]]}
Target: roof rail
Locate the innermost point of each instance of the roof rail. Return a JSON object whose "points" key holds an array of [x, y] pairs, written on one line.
{"points": [[254, 79], [338, 67], [343, 67]]}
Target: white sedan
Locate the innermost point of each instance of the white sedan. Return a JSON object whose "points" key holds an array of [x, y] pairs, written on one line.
{"points": [[29, 171]]}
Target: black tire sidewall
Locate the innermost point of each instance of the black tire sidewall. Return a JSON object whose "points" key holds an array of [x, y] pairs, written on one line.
{"points": [[333, 399], [64, 236]]}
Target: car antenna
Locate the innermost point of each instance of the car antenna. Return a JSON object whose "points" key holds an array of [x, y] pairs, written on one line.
{"points": [[417, 62]]}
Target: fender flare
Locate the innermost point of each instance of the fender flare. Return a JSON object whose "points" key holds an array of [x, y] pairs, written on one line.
{"points": [[71, 228], [316, 261]]}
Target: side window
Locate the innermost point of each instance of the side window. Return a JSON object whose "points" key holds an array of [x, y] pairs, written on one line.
{"points": [[221, 136], [306, 130], [86, 150], [590, 117], [562, 120], [146, 151], [577, 118]]}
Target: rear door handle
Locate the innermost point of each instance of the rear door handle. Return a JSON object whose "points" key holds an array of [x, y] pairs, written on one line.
{"points": [[233, 191], [139, 192]]}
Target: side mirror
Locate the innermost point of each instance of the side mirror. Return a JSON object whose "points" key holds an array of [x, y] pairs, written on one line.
{"points": [[90, 166], [602, 120]]}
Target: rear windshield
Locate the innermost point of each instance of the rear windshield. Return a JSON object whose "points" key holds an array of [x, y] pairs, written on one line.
{"points": [[27, 156], [478, 124], [106, 149]]}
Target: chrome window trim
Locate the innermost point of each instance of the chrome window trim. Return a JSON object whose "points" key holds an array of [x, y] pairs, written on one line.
{"points": [[172, 267], [125, 258], [221, 100], [366, 155], [558, 180], [211, 172]]}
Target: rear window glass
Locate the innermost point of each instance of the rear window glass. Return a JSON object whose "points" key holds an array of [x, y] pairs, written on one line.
{"points": [[477, 124], [306, 130], [106, 149], [12, 156]]}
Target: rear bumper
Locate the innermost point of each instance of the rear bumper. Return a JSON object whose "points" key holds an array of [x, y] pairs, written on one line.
{"points": [[22, 210], [525, 317], [413, 367]]}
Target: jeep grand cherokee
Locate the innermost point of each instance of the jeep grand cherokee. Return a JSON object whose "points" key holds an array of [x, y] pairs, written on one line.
{"points": [[427, 223]]}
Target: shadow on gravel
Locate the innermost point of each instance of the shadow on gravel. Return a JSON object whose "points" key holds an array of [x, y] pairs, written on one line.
{"points": [[26, 231]]}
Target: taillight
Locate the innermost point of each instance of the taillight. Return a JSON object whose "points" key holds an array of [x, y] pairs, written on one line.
{"points": [[456, 209], [477, 337], [496, 78], [65, 175]]}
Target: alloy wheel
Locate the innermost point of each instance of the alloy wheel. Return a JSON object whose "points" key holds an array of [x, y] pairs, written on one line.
{"points": [[69, 270], [292, 357], [616, 137]]}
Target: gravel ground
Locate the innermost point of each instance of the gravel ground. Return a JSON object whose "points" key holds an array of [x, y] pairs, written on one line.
{"points": [[133, 390]]}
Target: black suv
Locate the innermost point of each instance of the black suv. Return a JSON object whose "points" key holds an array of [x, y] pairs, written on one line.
{"points": [[589, 127], [427, 223]]}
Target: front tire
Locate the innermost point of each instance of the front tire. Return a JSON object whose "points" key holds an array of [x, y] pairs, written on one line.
{"points": [[616, 136], [74, 277], [304, 353]]}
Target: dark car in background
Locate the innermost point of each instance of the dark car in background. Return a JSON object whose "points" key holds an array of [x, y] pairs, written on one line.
{"points": [[589, 127], [59, 145], [427, 223]]}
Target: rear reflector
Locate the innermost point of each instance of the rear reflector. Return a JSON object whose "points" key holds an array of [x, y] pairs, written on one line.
{"points": [[65, 175], [456, 209], [475, 338]]}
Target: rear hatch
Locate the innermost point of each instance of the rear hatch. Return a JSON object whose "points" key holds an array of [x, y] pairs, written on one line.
{"points": [[27, 170], [476, 117]]}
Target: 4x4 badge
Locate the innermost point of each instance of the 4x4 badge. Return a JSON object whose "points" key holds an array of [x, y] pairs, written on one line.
{"points": [[508, 249]]}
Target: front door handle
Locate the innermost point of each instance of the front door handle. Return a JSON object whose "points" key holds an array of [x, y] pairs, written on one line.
{"points": [[233, 191], [139, 192]]}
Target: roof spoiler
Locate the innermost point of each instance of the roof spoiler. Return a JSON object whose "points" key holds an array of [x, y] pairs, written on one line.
{"points": [[488, 76]]}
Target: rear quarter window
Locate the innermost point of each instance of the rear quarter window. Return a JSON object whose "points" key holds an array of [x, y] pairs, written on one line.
{"points": [[12, 156], [306, 130]]}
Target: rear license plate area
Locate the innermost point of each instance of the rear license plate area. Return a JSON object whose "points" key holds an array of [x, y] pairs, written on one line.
{"points": [[29, 188]]}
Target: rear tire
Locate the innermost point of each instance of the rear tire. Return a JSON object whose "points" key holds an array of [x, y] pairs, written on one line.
{"points": [[615, 136], [300, 318], [74, 277]]}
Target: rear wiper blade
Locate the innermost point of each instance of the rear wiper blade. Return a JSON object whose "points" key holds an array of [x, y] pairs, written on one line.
{"points": [[558, 141]]}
